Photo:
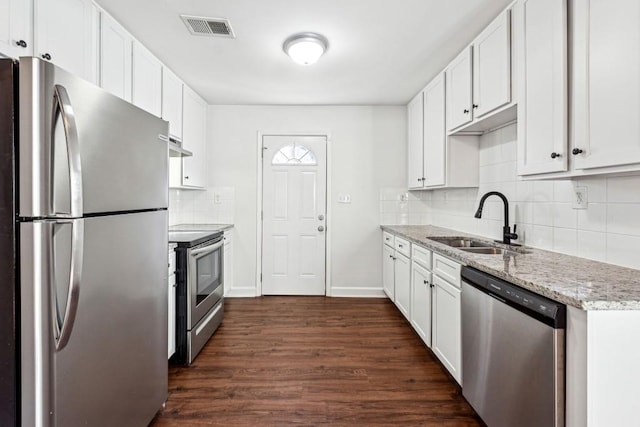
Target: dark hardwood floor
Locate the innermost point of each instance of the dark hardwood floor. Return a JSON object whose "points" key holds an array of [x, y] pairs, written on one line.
{"points": [[280, 361]]}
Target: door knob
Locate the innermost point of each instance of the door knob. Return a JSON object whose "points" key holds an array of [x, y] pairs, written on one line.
{"points": [[321, 228], [320, 217]]}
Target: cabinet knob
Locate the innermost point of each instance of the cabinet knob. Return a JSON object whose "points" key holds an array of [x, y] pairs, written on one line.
{"points": [[186, 177], [21, 43], [419, 179], [577, 151], [465, 111], [554, 155], [46, 56], [475, 106], [426, 283], [321, 228]]}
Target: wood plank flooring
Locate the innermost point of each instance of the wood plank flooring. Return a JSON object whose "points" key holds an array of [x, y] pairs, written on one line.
{"points": [[308, 361]]}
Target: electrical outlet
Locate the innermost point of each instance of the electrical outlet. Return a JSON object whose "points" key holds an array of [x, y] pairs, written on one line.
{"points": [[580, 201]]}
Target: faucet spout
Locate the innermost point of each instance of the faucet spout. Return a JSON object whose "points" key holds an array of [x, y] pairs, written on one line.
{"points": [[507, 235]]}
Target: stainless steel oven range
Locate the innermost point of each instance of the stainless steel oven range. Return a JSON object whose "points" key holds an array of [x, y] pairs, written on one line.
{"points": [[200, 289]]}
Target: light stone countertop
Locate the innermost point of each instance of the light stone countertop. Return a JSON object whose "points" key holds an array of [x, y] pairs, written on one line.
{"points": [[579, 282]]}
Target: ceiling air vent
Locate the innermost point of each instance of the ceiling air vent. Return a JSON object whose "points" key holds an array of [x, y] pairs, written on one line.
{"points": [[200, 26]]}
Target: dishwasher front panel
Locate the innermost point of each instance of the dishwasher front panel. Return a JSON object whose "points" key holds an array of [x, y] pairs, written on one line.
{"points": [[513, 364]]}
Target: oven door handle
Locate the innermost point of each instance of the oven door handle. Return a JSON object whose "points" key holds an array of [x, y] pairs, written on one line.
{"points": [[198, 253]]}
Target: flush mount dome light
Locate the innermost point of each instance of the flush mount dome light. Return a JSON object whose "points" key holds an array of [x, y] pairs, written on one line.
{"points": [[305, 48]]}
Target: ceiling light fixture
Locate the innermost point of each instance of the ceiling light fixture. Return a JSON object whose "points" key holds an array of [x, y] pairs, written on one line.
{"points": [[305, 48]]}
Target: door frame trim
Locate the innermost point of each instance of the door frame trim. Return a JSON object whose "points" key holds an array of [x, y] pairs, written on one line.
{"points": [[259, 198]]}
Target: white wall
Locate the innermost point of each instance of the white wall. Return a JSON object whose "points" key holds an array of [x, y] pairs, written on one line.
{"points": [[368, 146], [608, 230]]}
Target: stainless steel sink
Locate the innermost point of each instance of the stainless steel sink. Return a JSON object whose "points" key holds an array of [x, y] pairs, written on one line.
{"points": [[459, 242], [489, 251]]}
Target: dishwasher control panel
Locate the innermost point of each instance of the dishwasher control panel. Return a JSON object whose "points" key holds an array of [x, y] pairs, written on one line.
{"points": [[544, 308]]}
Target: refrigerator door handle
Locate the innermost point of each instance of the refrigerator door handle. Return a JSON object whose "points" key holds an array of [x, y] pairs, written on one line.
{"points": [[62, 105], [75, 277]]}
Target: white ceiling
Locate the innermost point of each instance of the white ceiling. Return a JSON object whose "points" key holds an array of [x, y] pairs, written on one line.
{"points": [[381, 51]]}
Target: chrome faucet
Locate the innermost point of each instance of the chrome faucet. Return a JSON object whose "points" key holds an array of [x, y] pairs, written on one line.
{"points": [[507, 235]]}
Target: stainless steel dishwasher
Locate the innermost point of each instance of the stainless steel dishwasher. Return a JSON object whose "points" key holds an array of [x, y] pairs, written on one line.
{"points": [[512, 353]]}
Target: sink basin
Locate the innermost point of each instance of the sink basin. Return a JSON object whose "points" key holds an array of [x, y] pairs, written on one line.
{"points": [[461, 242], [488, 251]]}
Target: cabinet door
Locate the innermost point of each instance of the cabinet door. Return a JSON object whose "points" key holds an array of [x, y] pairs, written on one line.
{"points": [[606, 83], [415, 149], [227, 268], [172, 103], [388, 256], [63, 34], [16, 28], [115, 58], [194, 134], [492, 66], [542, 103], [447, 344], [402, 279], [458, 76], [435, 136], [147, 80], [421, 302]]}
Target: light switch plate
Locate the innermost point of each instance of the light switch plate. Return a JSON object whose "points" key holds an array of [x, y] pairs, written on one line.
{"points": [[580, 200], [344, 198]]}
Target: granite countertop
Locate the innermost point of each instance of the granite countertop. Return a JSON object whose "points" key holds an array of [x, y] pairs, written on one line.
{"points": [[200, 227], [578, 282]]}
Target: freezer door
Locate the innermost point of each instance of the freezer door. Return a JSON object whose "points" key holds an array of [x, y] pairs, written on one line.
{"points": [[94, 320], [83, 150]]}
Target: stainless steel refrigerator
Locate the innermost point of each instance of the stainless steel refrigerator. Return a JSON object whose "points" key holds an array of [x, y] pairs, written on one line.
{"points": [[83, 268]]}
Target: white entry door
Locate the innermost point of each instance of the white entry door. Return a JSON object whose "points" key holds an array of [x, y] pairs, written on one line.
{"points": [[294, 217]]}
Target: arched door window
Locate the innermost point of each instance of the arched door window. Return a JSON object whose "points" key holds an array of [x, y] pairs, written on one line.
{"points": [[294, 154]]}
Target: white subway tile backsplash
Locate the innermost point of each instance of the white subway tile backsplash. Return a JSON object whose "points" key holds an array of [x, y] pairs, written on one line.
{"points": [[564, 215], [592, 245], [608, 230], [624, 218], [565, 240], [623, 250], [623, 189], [594, 218]]}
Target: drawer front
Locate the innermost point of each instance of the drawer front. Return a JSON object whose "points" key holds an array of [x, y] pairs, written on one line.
{"points": [[388, 239], [447, 269], [403, 246], [421, 255]]}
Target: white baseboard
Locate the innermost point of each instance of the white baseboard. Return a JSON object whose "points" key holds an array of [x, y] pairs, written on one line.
{"points": [[356, 292], [240, 293]]}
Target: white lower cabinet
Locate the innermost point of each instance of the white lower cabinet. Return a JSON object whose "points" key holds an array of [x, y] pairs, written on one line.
{"points": [[227, 263], [447, 334], [402, 281], [421, 301], [171, 334], [388, 264]]}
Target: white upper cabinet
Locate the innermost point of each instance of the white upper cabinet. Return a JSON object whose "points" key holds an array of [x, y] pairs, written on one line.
{"points": [[542, 101], [415, 149], [606, 83], [147, 80], [194, 139], [16, 28], [115, 58], [435, 137], [172, 103], [64, 35], [492, 66], [459, 93]]}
